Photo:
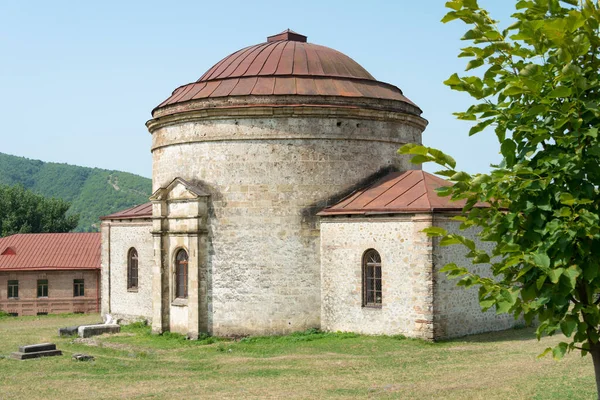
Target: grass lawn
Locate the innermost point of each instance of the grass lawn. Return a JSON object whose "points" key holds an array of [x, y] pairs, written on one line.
{"points": [[135, 364]]}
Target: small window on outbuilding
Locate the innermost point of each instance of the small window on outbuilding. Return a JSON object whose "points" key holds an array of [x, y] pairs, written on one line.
{"points": [[181, 274], [13, 289], [78, 288], [371, 279], [42, 288], [132, 269]]}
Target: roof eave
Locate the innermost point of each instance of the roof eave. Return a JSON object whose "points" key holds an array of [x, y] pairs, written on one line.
{"points": [[22, 269], [329, 213]]}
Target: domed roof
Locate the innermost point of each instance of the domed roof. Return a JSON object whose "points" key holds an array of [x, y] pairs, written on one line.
{"points": [[286, 65]]}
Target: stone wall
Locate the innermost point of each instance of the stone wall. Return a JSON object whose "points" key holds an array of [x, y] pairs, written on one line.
{"points": [[457, 310], [406, 275], [117, 238], [180, 212], [60, 292], [267, 177]]}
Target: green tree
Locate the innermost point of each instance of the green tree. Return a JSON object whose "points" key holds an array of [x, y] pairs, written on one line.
{"points": [[538, 85], [22, 211]]}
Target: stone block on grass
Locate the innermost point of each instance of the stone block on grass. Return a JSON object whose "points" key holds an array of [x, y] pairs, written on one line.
{"points": [[86, 331]]}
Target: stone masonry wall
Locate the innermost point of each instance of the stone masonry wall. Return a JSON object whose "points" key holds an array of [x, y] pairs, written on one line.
{"points": [[457, 311], [267, 178], [406, 265], [127, 304]]}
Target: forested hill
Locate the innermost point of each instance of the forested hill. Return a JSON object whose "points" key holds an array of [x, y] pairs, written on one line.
{"points": [[92, 192]]}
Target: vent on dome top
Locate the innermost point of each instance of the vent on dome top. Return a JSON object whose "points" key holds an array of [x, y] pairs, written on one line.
{"points": [[289, 35]]}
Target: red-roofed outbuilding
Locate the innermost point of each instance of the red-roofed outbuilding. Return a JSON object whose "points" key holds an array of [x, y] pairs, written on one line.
{"points": [[43, 273]]}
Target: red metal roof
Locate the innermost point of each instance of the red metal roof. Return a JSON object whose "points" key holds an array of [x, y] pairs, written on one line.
{"points": [[136, 212], [50, 251], [286, 65], [398, 192]]}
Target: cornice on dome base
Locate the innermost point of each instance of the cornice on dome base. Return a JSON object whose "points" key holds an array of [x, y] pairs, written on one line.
{"points": [[255, 110]]}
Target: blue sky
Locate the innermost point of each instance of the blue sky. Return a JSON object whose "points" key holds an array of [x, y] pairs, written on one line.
{"points": [[78, 80]]}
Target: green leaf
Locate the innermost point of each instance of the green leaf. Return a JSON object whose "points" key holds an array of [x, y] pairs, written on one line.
{"points": [[455, 5], [472, 34], [567, 199], [542, 260], [450, 267], [530, 70], [567, 327], [539, 283], [474, 64], [480, 126], [592, 132], [472, 4], [419, 159], [442, 158], [434, 231], [545, 352], [559, 351], [572, 273], [486, 304], [508, 149], [414, 148], [449, 240], [451, 16], [561, 91], [503, 307], [453, 80], [554, 274], [460, 177]]}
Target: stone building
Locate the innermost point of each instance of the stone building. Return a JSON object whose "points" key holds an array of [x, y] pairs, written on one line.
{"points": [[50, 273], [247, 232]]}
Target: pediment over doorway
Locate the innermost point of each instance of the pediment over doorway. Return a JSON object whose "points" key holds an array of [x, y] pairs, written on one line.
{"points": [[178, 189]]}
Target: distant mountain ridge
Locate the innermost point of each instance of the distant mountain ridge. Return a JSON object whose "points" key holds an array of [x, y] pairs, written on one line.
{"points": [[92, 192]]}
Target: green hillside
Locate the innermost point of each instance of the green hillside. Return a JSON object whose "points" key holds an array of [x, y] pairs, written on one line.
{"points": [[93, 192]]}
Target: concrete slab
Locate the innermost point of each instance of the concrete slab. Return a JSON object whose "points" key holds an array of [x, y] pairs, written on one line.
{"points": [[86, 331], [33, 348], [25, 356], [72, 330]]}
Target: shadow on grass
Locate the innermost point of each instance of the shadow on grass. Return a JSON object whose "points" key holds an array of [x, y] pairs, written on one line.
{"points": [[508, 335]]}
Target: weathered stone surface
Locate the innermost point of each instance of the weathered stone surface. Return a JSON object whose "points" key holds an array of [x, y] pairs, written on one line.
{"points": [[68, 331], [457, 310], [406, 265], [71, 330], [32, 348], [82, 357], [253, 244], [86, 331], [267, 178], [418, 300], [117, 238], [38, 354]]}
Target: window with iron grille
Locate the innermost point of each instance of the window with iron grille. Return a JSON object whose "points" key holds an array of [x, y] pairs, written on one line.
{"points": [[13, 289], [42, 288], [132, 269], [371, 284], [181, 274], [78, 288]]}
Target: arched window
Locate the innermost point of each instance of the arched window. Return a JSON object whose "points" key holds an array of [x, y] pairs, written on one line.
{"points": [[132, 269], [371, 283], [181, 274]]}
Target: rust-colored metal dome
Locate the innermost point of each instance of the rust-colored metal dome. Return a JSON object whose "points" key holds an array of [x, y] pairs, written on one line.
{"points": [[286, 65]]}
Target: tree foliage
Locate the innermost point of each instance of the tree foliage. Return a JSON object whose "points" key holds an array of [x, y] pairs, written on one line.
{"points": [[537, 84], [22, 211], [92, 192]]}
